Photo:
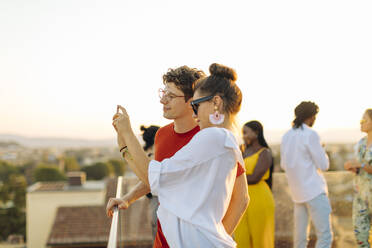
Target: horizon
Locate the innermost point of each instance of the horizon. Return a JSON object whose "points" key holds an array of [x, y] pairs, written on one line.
{"points": [[273, 137]]}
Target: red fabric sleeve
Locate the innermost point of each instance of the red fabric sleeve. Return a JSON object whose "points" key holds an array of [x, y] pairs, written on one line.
{"points": [[240, 170]]}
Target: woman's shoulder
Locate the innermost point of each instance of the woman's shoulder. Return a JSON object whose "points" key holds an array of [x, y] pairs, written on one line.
{"points": [[217, 134], [210, 133], [360, 143], [362, 140]]}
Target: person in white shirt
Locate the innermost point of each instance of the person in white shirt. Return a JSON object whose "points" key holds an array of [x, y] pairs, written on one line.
{"points": [[195, 185], [303, 159]]}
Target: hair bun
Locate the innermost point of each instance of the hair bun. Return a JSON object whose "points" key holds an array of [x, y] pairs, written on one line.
{"points": [[143, 128], [222, 71]]}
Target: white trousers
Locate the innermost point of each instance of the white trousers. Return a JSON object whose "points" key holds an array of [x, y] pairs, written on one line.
{"points": [[319, 211]]}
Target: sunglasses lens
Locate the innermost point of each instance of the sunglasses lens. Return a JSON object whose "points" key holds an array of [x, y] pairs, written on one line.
{"points": [[195, 108]]}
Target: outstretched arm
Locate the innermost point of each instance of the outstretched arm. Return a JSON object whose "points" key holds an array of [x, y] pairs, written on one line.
{"points": [[124, 202]]}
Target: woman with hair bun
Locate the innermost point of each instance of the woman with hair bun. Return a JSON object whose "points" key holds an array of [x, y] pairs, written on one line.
{"points": [[196, 185]]}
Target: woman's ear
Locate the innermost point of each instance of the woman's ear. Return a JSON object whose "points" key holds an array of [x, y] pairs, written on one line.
{"points": [[189, 103], [217, 101]]}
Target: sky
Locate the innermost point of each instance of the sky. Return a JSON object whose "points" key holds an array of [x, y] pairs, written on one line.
{"points": [[65, 65]]}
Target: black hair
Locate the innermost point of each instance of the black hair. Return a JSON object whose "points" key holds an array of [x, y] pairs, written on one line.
{"points": [[257, 127], [304, 111], [148, 135]]}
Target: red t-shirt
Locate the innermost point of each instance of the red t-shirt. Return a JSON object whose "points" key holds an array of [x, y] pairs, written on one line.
{"points": [[167, 143]]}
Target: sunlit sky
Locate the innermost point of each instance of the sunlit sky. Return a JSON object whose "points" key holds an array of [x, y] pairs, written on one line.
{"points": [[65, 65]]}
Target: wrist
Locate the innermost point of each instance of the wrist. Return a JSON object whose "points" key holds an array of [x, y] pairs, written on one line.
{"points": [[126, 198], [123, 149]]}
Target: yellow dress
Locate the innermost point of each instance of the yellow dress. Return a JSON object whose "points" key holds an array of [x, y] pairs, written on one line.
{"points": [[256, 228]]}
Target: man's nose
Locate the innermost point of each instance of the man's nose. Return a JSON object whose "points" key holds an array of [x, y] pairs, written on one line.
{"points": [[163, 100]]}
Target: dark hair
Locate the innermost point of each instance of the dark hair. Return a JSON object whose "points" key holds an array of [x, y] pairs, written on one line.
{"points": [[148, 135], [304, 111], [222, 82], [257, 127], [369, 113], [183, 77]]}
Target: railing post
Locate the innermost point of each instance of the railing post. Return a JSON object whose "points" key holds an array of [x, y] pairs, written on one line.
{"points": [[112, 242]]}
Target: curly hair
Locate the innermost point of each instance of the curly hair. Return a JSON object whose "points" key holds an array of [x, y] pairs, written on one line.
{"points": [[304, 111], [222, 82], [183, 77]]}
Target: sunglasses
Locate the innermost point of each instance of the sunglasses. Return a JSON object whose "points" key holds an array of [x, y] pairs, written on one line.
{"points": [[195, 104]]}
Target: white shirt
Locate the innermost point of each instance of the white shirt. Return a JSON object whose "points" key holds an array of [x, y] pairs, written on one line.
{"points": [[303, 158], [194, 189]]}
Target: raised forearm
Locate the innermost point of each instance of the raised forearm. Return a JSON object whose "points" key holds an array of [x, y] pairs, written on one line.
{"points": [[136, 153]]}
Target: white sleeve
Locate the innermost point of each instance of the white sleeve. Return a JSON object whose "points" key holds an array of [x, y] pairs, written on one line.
{"points": [[185, 182], [204, 146], [317, 152]]}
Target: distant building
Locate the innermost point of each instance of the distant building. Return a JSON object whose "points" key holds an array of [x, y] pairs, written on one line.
{"points": [[61, 215], [43, 200]]}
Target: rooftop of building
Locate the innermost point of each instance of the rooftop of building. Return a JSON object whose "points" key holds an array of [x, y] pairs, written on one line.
{"points": [[64, 186]]}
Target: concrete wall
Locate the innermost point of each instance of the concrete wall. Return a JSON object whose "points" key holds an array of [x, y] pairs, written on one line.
{"points": [[42, 207], [340, 185]]}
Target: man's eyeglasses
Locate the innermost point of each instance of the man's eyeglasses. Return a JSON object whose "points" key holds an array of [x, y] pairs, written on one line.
{"points": [[167, 95], [195, 104]]}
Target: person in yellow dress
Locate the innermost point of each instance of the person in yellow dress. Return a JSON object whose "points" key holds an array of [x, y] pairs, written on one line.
{"points": [[257, 226]]}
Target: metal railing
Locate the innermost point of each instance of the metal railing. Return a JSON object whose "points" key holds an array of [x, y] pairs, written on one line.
{"points": [[115, 224]]}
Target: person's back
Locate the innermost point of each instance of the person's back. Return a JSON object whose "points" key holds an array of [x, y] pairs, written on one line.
{"points": [[302, 157]]}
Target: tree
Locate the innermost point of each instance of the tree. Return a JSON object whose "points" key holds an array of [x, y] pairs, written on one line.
{"points": [[18, 188], [71, 164], [6, 170], [12, 221], [12, 189], [45, 173], [98, 171], [118, 166]]}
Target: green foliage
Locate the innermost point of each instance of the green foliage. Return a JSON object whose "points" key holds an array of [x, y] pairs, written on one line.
{"points": [[18, 188], [98, 171], [6, 170], [48, 173], [12, 189], [71, 164], [118, 166], [12, 221]]}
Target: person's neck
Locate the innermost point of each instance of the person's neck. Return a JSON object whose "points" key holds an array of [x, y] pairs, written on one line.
{"points": [[227, 123], [255, 146], [308, 123], [184, 124], [369, 138]]}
